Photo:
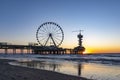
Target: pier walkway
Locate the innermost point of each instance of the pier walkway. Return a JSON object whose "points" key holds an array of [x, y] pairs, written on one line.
{"points": [[31, 49]]}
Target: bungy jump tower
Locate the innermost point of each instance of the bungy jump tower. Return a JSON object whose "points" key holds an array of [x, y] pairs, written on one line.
{"points": [[79, 49], [50, 36]]}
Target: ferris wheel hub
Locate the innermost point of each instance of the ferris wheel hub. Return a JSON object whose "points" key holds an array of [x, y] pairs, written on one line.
{"points": [[50, 34]]}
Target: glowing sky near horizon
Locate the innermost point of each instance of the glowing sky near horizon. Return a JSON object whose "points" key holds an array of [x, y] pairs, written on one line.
{"points": [[100, 20]]}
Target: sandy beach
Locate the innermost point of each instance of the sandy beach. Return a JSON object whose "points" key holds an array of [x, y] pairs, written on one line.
{"points": [[10, 72]]}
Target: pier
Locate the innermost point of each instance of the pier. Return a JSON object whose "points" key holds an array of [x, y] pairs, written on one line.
{"points": [[32, 49], [7, 48], [49, 36]]}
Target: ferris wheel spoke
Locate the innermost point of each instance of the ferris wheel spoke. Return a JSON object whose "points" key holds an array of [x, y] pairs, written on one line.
{"points": [[54, 27], [43, 30], [58, 33], [56, 42], [40, 36], [57, 30], [50, 28], [58, 36], [47, 28], [43, 39], [41, 33], [58, 39]]}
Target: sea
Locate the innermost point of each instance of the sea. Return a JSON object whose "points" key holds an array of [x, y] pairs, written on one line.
{"points": [[92, 66]]}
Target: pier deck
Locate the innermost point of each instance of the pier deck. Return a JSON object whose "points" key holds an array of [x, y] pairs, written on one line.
{"points": [[34, 49]]}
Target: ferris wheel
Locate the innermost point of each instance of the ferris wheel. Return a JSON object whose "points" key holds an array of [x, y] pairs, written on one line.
{"points": [[49, 34]]}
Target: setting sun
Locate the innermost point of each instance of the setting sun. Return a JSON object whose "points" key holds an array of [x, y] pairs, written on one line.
{"points": [[87, 51]]}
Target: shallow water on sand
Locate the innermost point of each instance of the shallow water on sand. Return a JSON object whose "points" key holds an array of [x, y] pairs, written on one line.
{"points": [[88, 70], [93, 67]]}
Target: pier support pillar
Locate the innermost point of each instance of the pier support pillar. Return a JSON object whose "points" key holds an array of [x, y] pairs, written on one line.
{"points": [[6, 51], [21, 51], [28, 51], [14, 51]]}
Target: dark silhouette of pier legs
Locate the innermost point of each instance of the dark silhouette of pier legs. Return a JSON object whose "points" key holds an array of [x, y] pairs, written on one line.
{"points": [[6, 51], [14, 51], [21, 51], [28, 51]]}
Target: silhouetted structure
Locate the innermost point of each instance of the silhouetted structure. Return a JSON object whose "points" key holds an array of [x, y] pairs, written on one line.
{"points": [[49, 35], [79, 49]]}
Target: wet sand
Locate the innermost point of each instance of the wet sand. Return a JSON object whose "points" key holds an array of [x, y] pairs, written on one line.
{"points": [[10, 72]]}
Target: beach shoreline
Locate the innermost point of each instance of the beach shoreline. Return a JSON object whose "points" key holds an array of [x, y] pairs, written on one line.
{"points": [[11, 72]]}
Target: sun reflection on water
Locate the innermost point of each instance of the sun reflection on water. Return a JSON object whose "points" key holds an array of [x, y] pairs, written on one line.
{"points": [[89, 70]]}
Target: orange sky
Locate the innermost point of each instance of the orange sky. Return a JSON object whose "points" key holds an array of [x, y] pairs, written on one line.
{"points": [[102, 50], [98, 48]]}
